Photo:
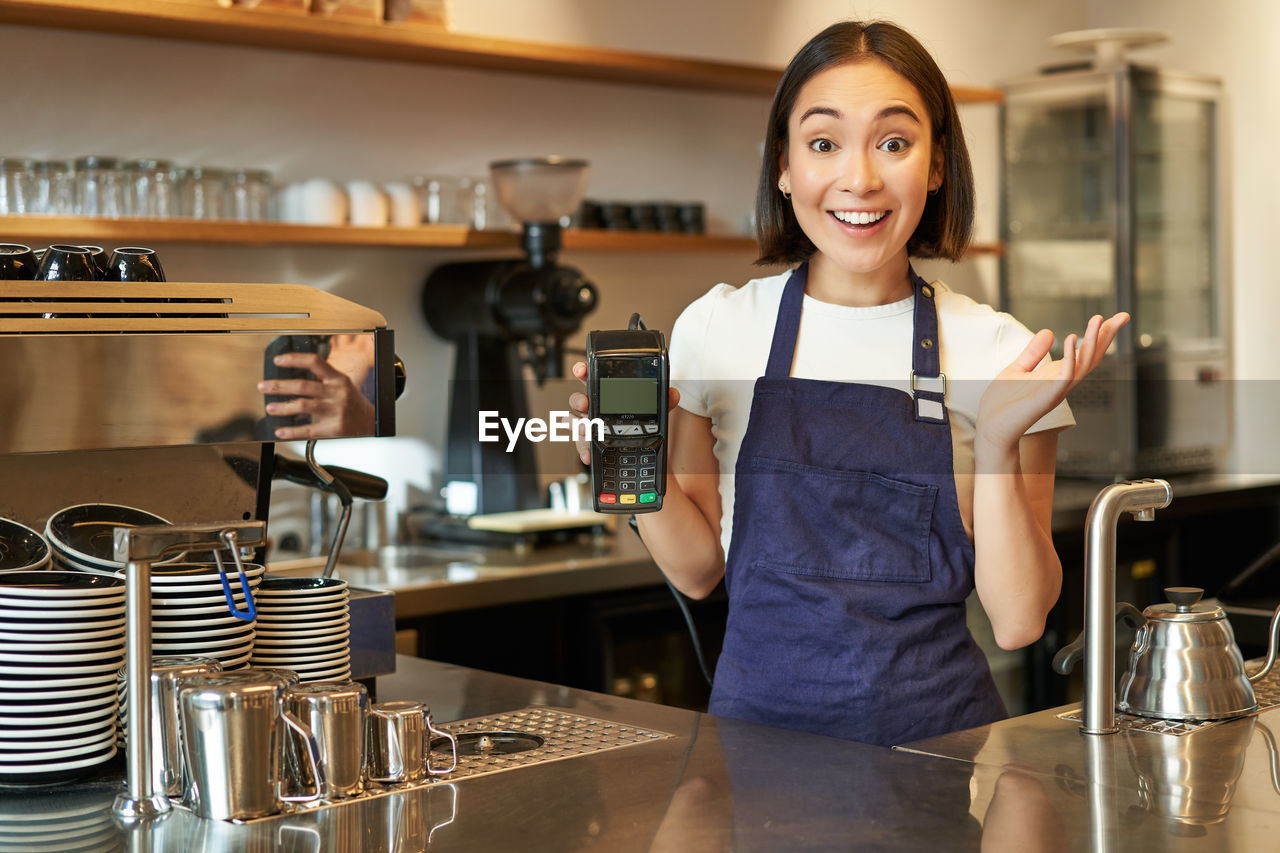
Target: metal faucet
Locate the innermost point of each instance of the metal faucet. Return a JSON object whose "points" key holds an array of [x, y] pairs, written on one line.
{"points": [[138, 547], [1141, 498]]}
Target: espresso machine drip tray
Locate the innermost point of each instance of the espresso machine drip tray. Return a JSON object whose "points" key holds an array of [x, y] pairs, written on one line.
{"points": [[533, 736], [489, 743]]}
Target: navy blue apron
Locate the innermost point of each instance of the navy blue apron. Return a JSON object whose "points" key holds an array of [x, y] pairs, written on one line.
{"points": [[849, 565]]}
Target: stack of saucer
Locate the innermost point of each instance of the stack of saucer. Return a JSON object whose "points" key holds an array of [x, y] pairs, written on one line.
{"points": [[190, 615], [304, 625], [61, 644], [21, 548], [83, 536]]}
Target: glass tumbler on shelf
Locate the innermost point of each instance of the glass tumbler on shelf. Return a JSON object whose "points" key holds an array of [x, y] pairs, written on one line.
{"points": [[249, 195], [99, 188], [201, 192], [53, 191], [471, 208], [437, 199], [148, 188], [16, 178]]}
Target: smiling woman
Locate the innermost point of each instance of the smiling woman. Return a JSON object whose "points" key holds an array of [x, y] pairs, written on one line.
{"points": [[855, 449]]}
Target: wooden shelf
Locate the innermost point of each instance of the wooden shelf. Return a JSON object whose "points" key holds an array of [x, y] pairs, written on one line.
{"points": [[43, 230], [270, 27]]}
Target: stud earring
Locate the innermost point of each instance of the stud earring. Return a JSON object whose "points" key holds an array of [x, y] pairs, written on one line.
{"points": [[782, 187]]}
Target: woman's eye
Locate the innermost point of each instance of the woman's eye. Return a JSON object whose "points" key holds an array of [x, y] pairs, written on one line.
{"points": [[822, 146], [894, 146]]}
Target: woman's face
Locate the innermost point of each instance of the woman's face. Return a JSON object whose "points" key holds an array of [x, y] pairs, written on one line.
{"points": [[859, 162]]}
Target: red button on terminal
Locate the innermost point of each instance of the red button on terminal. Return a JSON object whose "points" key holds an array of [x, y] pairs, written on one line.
{"points": [[606, 498]]}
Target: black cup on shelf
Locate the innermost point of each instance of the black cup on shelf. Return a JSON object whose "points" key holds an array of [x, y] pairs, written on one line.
{"points": [[66, 263], [133, 263], [17, 262], [99, 259]]}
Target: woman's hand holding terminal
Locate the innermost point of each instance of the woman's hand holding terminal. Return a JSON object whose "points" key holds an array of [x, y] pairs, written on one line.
{"points": [[578, 404]]}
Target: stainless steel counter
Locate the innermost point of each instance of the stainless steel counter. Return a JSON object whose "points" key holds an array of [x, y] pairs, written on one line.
{"points": [[1027, 784], [1215, 789], [442, 578]]}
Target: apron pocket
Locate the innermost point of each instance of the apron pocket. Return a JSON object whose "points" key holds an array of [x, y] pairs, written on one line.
{"points": [[845, 525]]}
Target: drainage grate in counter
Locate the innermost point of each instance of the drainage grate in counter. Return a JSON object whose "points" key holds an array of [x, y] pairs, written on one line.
{"points": [[1266, 691], [562, 734]]}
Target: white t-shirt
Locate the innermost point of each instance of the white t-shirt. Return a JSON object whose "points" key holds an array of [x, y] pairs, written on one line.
{"points": [[720, 345]]}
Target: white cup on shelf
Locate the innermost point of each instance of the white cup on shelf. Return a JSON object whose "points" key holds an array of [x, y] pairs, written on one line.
{"points": [[403, 204], [368, 204], [318, 201]]}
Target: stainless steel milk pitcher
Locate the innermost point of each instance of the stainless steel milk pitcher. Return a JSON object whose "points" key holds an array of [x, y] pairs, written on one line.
{"points": [[231, 729]]}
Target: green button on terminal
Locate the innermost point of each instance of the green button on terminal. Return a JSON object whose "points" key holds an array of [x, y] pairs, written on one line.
{"points": [[648, 497]]}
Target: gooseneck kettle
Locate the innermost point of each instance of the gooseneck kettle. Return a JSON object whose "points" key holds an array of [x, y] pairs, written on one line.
{"points": [[1184, 663]]}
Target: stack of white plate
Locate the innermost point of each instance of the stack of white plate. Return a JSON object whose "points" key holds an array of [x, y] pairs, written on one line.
{"points": [[304, 624], [61, 644], [190, 614], [83, 536]]}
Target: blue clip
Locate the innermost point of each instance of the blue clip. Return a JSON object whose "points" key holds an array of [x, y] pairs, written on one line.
{"points": [[251, 612]]}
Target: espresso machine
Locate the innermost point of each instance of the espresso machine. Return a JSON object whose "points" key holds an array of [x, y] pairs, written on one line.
{"points": [[146, 395], [504, 316]]}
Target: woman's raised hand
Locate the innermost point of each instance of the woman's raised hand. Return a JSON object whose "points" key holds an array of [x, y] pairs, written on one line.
{"points": [[1027, 389]]}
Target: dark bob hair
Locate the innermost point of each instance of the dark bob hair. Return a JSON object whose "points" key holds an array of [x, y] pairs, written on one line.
{"points": [[946, 226]]}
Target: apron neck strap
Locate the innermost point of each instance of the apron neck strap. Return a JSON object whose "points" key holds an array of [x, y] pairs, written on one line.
{"points": [[928, 384], [787, 327]]}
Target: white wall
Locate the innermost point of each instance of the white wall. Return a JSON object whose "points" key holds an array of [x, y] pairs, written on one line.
{"points": [[66, 93]]}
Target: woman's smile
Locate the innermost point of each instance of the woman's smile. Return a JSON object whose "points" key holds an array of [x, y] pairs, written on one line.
{"points": [[861, 221]]}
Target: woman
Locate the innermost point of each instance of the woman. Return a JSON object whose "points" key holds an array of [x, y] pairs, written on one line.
{"points": [[897, 447]]}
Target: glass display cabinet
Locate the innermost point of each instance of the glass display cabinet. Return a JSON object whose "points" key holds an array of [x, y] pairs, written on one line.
{"points": [[1110, 203]]}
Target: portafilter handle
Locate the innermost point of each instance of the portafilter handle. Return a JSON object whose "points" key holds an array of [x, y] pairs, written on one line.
{"points": [[138, 548]]}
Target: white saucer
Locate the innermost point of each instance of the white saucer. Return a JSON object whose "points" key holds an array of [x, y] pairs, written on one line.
{"points": [[98, 675], [55, 732], [44, 718], [309, 652], [62, 636], [51, 650], [185, 601], [185, 573], [302, 666], [291, 641], [13, 603], [70, 748], [342, 674], [240, 629], [291, 616], [192, 647], [45, 767], [69, 616], [115, 651], [230, 659], [10, 707], [160, 611], [296, 597]]}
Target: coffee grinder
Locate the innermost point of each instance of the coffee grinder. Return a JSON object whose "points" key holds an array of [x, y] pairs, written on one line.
{"points": [[503, 315]]}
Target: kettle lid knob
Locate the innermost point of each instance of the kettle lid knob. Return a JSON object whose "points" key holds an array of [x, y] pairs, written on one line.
{"points": [[1183, 597]]}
